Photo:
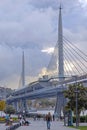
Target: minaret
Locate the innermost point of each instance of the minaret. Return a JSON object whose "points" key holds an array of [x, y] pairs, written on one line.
{"points": [[60, 47], [23, 70]]}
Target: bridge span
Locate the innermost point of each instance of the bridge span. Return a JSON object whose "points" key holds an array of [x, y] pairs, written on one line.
{"points": [[44, 89]]}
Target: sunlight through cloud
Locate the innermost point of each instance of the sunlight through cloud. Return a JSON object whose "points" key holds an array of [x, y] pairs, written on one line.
{"points": [[48, 50]]}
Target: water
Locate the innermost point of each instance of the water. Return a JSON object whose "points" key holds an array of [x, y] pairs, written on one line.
{"points": [[83, 113], [42, 112]]}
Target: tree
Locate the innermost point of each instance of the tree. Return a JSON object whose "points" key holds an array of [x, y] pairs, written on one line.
{"points": [[9, 109], [81, 97], [2, 105]]}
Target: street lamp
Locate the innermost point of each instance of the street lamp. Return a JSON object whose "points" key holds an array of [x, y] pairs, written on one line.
{"points": [[76, 91]]}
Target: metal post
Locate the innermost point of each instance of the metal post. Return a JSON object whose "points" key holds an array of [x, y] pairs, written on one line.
{"points": [[76, 91], [76, 107]]}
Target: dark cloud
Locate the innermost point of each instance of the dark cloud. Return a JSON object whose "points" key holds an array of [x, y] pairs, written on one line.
{"points": [[22, 23], [55, 4], [45, 3]]}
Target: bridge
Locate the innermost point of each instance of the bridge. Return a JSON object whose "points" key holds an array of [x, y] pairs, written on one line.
{"points": [[37, 90], [70, 67]]}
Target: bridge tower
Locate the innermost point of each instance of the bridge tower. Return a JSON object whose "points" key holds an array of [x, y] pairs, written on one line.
{"points": [[60, 47], [60, 98], [23, 70], [23, 102]]}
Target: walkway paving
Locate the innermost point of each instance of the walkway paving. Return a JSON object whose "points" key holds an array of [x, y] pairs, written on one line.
{"points": [[41, 125], [3, 127]]}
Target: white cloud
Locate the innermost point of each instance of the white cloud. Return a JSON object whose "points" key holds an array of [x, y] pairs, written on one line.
{"points": [[48, 50], [83, 2]]}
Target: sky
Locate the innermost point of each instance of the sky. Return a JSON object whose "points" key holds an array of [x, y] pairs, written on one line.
{"points": [[31, 26]]}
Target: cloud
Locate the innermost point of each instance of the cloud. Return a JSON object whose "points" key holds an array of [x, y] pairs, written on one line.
{"points": [[33, 26], [45, 3], [48, 50], [26, 27], [23, 23], [9, 58], [83, 2]]}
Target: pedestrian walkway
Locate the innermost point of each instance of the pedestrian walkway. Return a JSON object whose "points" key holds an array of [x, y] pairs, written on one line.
{"points": [[3, 127], [41, 125]]}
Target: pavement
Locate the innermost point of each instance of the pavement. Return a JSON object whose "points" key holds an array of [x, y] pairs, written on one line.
{"points": [[41, 125], [3, 127]]}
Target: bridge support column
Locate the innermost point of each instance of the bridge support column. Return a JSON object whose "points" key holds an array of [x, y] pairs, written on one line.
{"points": [[16, 105], [24, 107], [60, 103], [20, 106]]}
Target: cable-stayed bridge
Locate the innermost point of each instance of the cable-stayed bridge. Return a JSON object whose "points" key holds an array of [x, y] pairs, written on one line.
{"points": [[68, 65]]}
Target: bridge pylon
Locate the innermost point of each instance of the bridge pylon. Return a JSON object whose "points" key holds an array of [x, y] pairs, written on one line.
{"points": [[20, 106], [24, 106], [16, 106], [60, 103], [60, 98], [60, 48], [23, 70]]}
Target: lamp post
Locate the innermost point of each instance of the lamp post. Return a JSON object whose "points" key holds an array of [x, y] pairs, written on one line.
{"points": [[76, 92], [76, 107]]}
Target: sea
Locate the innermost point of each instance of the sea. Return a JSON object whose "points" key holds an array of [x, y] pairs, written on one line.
{"points": [[83, 113]]}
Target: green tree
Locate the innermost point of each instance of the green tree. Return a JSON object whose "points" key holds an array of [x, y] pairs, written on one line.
{"points": [[81, 97], [2, 105], [9, 109]]}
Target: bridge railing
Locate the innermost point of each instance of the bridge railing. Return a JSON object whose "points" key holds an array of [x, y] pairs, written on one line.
{"points": [[78, 79]]}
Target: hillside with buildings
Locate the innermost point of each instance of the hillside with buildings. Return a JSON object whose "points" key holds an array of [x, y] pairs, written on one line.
{"points": [[5, 92]]}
